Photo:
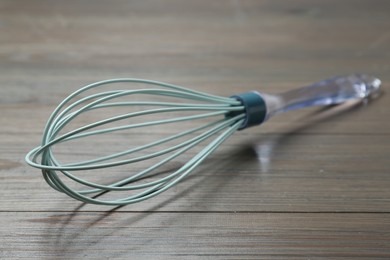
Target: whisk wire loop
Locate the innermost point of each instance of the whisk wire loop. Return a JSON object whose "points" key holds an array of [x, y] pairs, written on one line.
{"points": [[74, 105]]}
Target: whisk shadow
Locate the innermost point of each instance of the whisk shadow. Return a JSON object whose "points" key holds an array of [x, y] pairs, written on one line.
{"points": [[266, 146], [66, 238], [249, 152]]}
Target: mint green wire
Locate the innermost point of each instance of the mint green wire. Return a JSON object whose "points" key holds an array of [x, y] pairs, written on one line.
{"points": [[210, 107]]}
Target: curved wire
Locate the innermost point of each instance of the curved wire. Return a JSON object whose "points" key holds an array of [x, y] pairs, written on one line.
{"points": [[210, 106]]}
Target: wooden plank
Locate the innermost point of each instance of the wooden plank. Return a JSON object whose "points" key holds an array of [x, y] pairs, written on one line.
{"points": [[250, 43], [261, 173], [310, 184], [140, 235]]}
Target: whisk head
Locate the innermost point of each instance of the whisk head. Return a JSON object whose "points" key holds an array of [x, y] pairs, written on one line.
{"points": [[128, 125]]}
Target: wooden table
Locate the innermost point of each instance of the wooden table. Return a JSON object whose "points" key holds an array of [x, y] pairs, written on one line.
{"points": [[310, 184]]}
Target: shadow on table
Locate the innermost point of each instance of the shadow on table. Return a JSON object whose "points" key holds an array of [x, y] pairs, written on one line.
{"points": [[83, 232]]}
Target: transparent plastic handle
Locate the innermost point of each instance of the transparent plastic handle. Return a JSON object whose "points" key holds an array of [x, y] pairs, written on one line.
{"points": [[327, 92]]}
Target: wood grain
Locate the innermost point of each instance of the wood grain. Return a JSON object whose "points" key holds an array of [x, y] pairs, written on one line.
{"points": [[310, 184], [180, 235]]}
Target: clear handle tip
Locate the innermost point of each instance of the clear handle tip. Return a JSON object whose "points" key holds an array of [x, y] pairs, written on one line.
{"points": [[365, 85]]}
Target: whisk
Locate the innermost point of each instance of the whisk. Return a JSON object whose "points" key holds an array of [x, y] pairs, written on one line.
{"points": [[217, 118]]}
